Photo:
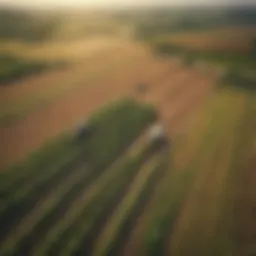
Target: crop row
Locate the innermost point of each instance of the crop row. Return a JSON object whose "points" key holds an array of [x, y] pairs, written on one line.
{"points": [[108, 126], [85, 212]]}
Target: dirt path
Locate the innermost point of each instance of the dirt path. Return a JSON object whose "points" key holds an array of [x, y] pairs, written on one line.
{"points": [[179, 96]]}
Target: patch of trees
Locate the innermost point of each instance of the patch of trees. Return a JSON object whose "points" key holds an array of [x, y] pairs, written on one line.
{"points": [[240, 80], [20, 25], [154, 22], [13, 68]]}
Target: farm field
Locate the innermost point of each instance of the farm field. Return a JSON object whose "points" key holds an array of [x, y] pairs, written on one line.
{"points": [[231, 48], [191, 211], [137, 199], [45, 113], [74, 50], [225, 40], [127, 151], [20, 98], [49, 187], [20, 60]]}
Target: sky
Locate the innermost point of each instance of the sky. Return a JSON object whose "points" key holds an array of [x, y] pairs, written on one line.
{"points": [[103, 3]]}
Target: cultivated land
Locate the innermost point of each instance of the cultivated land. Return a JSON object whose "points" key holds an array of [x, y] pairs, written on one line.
{"points": [[230, 49], [139, 199], [64, 97], [117, 194], [225, 40], [192, 209]]}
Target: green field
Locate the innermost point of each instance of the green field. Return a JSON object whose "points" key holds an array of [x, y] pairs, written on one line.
{"points": [[63, 171], [96, 196]]}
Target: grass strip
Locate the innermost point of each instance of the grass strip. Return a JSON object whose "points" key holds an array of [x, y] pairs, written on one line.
{"points": [[114, 225]]}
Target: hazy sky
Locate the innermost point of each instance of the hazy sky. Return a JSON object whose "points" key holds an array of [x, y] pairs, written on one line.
{"points": [[78, 3]]}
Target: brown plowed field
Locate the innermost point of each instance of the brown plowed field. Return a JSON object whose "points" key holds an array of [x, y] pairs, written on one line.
{"points": [[164, 78], [230, 39]]}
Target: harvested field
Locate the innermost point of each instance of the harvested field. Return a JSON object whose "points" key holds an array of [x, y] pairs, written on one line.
{"points": [[245, 208], [57, 49], [21, 98], [50, 119], [231, 40]]}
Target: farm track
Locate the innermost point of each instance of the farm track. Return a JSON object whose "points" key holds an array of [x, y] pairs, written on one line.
{"points": [[175, 111], [171, 84], [48, 202], [169, 97]]}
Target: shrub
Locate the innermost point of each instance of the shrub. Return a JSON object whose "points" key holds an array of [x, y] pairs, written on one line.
{"points": [[13, 68], [240, 80]]}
